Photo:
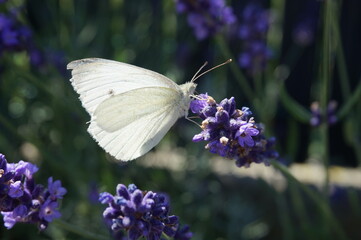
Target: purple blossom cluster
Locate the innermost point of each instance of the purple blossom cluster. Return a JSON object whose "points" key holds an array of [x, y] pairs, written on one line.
{"points": [[232, 133], [21, 200], [132, 214], [16, 37], [253, 29], [317, 117], [206, 17]]}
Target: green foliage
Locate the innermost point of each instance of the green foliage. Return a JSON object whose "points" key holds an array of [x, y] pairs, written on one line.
{"points": [[42, 121]]}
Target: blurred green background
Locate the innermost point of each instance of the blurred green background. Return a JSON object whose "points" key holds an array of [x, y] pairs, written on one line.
{"points": [[42, 120]]}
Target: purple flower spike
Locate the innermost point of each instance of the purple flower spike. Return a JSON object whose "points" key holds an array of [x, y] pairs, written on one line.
{"points": [[253, 31], [232, 133], [206, 17], [22, 200], [140, 214]]}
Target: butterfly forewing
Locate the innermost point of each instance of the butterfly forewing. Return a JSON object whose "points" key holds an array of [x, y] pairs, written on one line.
{"points": [[96, 80]]}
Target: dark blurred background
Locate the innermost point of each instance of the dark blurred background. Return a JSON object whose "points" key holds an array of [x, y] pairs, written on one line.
{"points": [[42, 120]]}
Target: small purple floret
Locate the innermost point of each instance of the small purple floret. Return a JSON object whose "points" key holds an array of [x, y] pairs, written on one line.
{"points": [[55, 189], [317, 119], [48, 211], [245, 133], [15, 190], [183, 233]]}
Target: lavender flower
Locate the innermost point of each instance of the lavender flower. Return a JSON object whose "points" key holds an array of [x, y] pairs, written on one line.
{"points": [[132, 214], [232, 133], [317, 118], [206, 17], [21, 200], [253, 30], [13, 35], [16, 37]]}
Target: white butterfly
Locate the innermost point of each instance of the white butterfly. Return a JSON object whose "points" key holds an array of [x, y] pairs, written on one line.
{"points": [[131, 108]]}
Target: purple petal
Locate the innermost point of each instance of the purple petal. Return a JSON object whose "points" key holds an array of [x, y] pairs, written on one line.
{"points": [[199, 137], [48, 211], [9, 220], [55, 189], [16, 190], [105, 198], [122, 191], [252, 131]]}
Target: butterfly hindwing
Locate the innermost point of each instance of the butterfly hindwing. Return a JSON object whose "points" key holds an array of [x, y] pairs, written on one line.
{"points": [[120, 110], [129, 135]]}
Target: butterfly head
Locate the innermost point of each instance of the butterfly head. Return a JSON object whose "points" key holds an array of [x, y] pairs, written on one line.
{"points": [[188, 89]]}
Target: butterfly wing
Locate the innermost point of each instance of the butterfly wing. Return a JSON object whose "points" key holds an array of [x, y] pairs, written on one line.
{"points": [[131, 108], [128, 125], [96, 80]]}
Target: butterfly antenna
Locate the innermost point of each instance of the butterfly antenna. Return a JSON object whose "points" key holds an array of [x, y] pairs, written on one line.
{"points": [[200, 69], [196, 76]]}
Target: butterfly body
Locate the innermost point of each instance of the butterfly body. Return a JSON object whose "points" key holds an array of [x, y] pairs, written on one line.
{"points": [[131, 108]]}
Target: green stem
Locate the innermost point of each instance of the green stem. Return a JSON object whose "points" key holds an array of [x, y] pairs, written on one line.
{"points": [[350, 99], [350, 103], [300, 210], [275, 33], [294, 108], [241, 79], [316, 198], [341, 62], [79, 231], [257, 79], [357, 146], [285, 219], [354, 202], [325, 85]]}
